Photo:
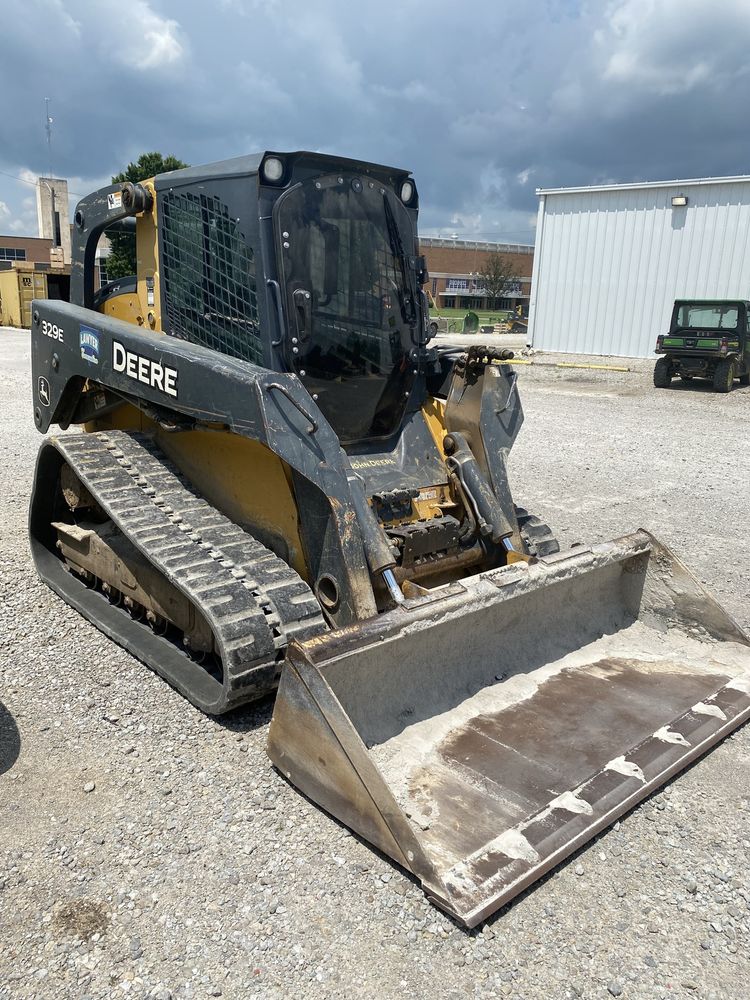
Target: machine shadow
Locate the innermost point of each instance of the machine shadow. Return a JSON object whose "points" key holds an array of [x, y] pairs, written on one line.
{"points": [[699, 385], [248, 718], [10, 740]]}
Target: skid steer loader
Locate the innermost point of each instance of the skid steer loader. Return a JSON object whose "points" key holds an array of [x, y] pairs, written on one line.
{"points": [[273, 477]]}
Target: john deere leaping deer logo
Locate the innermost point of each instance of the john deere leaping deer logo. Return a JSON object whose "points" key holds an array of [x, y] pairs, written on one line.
{"points": [[42, 389]]}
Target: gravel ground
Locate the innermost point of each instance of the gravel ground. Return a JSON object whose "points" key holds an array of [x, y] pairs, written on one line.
{"points": [[148, 851]]}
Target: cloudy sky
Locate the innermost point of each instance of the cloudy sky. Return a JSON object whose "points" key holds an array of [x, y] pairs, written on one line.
{"points": [[484, 101]]}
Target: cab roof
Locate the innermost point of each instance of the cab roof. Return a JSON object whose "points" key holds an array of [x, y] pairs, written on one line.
{"points": [[249, 165], [711, 302]]}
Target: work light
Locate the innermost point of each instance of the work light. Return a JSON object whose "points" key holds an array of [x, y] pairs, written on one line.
{"points": [[273, 169], [407, 192]]}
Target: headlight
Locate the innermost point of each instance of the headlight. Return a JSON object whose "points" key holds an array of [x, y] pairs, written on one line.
{"points": [[273, 169], [407, 192]]}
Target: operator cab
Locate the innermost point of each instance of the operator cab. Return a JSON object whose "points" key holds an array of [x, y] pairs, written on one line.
{"points": [[296, 262]]}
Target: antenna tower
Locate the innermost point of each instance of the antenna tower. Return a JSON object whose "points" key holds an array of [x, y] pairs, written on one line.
{"points": [[48, 120]]}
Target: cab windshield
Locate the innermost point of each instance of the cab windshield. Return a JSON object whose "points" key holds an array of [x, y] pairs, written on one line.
{"points": [[346, 246], [708, 316]]}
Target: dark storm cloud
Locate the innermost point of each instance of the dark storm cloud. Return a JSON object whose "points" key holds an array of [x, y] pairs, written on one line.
{"points": [[484, 102]]}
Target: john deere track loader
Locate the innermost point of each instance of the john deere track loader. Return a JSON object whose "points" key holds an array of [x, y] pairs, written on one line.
{"points": [[272, 477]]}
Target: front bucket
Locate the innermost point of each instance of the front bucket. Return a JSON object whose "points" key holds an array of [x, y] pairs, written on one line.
{"points": [[480, 735]]}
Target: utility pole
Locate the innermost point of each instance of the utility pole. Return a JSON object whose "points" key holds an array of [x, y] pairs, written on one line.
{"points": [[48, 120]]}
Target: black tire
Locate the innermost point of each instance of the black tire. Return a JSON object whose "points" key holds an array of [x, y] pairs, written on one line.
{"points": [[536, 536], [433, 328], [662, 373], [745, 379], [724, 376]]}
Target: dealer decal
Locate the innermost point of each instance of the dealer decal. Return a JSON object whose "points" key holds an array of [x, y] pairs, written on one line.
{"points": [[88, 340], [145, 370]]}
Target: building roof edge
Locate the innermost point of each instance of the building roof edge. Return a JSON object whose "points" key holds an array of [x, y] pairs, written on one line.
{"points": [[644, 185]]}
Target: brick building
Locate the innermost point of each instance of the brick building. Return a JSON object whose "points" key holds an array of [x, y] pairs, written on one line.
{"points": [[37, 250], [25, 248], [455, 279]]}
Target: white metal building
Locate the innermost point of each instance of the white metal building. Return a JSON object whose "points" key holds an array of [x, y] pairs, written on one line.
{"points": [[610, 260]]}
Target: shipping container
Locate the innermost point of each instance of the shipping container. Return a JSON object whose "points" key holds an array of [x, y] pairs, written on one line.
{"points": [[21, 284]]}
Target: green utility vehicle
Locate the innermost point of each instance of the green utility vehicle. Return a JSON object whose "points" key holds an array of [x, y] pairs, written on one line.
{"points": [[706, 339]]}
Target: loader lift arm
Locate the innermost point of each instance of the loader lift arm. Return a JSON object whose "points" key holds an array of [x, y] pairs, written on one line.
{"points": [[204, 389]]}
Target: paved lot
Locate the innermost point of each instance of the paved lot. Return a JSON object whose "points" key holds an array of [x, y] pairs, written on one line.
{"points": [[190, 869]]}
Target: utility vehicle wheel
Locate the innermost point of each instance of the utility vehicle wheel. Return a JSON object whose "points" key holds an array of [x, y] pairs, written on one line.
{"points": [[433, 329], [662, 373], [745, 379], [724, 376]]}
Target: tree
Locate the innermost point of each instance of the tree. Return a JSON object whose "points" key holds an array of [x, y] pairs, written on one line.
{"points": [[122, 258], [497, 274]]}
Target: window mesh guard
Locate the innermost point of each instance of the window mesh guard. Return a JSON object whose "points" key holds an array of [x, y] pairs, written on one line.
{"points": [[208, 272]]}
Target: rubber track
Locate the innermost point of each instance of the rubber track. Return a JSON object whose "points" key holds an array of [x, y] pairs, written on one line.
{"points": [[537, 535], [254, 603]]}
